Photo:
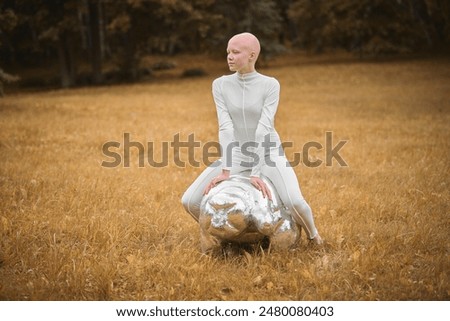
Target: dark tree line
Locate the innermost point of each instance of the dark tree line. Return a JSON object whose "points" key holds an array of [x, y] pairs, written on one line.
{"points": [[120, 32]]}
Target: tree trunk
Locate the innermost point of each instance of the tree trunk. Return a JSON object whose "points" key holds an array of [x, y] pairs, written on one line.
{"points": [[420, 12], [129, 64], [96, 55], [67, 64]]}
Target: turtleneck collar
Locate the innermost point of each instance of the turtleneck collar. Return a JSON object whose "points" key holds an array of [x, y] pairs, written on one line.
{"points": [[247, 76]]}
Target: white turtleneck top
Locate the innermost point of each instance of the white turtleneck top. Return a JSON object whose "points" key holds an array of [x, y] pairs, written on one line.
{"points": [[246, 106]]}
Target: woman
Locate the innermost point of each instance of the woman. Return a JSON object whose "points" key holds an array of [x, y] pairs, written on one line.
{"points": [[246, 104]]}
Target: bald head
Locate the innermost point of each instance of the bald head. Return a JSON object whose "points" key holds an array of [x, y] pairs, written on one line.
{"points": [[247, 41], [243, 51]]}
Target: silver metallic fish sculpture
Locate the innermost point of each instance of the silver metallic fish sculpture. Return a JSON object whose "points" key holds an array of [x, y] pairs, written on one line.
{"points": [[234, 211]]}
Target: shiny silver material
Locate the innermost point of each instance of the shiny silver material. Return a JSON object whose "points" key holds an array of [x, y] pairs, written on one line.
{"points": [[235, 211]]}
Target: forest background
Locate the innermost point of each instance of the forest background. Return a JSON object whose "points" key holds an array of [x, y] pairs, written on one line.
{"points": [[84, 42]]}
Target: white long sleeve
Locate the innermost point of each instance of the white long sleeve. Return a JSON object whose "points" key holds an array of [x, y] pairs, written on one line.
{"points": [[266, 122], [226, 128]]}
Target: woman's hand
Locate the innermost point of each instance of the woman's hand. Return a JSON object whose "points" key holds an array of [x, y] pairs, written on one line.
{"points": [[261, 186], [216, 180]]}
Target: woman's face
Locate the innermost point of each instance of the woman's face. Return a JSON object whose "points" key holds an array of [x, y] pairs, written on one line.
{"points": [[239, 57]]}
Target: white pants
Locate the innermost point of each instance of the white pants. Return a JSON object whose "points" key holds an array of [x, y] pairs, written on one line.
{"points": [[282, 176]]}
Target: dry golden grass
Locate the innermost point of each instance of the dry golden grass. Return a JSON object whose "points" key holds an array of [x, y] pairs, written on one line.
{"points": [[73, 230]]}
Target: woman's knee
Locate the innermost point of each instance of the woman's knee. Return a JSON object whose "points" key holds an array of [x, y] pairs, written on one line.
{"points": [[185, 201], [191, 208]]}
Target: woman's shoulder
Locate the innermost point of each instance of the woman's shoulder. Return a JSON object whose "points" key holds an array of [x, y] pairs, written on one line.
{"points": [[269, 79], [270, 82], [218, 82], [223, 78]]}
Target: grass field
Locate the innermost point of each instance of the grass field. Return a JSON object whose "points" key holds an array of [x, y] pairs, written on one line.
{"points": [[71, 229]]}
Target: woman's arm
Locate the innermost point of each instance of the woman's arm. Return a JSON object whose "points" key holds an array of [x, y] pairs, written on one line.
{"points": [[226, 130], [226, 135], [265, 124]]}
